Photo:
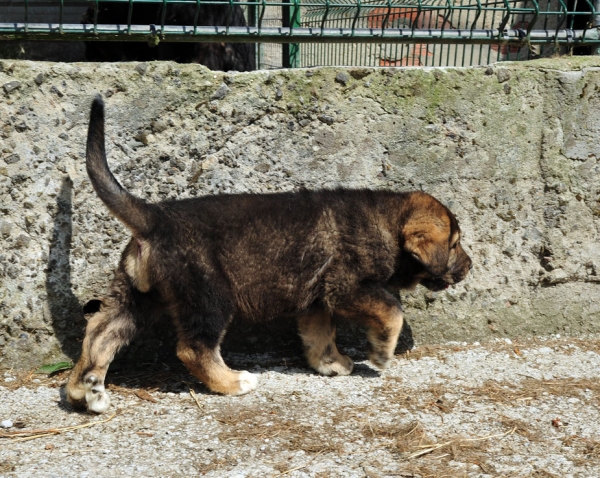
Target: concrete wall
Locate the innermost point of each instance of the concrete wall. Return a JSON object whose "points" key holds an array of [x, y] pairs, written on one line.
{"points": [[512, 149]]}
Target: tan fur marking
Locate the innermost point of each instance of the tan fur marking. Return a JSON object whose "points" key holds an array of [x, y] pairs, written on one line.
{"points": [[136, 264], [318, 335]]}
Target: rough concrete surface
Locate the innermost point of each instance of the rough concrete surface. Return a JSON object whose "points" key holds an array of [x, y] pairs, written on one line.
{"points": [[504, 408], [512, 149]]}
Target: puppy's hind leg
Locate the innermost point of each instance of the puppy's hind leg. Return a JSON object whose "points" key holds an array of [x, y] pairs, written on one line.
{"points": [[201, 354], [106, 332], [318, 335]]}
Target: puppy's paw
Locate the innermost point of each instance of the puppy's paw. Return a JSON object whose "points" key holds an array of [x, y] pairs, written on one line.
{"points": [[76, 394], [342, 365], [247, 382], [380, 360], [96, 397]]}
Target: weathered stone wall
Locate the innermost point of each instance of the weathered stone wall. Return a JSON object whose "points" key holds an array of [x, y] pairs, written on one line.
{"points": [[512, 149]]}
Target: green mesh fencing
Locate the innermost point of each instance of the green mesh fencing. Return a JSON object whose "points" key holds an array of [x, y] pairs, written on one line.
{"points": [[325, 32]]}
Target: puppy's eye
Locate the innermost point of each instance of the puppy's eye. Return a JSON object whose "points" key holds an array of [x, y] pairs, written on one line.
{"points": [[455, 245]]}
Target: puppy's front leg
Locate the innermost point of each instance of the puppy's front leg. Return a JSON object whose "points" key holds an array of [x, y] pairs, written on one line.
{"points": [[318, 335], [383, 337], [381, 312]]}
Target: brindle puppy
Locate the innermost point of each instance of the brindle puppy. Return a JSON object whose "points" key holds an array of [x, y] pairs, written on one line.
{"points": [[310, 254]]}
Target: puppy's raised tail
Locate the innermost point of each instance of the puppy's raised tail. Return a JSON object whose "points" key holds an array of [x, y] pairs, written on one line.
{"points": [[135, 213]]}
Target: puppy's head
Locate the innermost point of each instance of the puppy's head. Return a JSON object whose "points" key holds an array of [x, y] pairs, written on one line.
{"points": [[431, 236]]}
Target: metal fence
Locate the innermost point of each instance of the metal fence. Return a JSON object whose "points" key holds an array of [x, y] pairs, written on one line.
{"points": [[325, 32]]}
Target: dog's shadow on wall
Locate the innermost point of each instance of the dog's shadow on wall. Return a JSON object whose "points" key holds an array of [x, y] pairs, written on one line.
{"points": [[66, 315]]}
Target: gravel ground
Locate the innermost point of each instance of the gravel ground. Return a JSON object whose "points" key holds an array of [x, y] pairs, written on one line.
{"points": [[497, 409]]}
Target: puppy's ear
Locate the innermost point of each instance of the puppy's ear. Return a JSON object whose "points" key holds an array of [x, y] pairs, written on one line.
{"points": [[429, 251]]}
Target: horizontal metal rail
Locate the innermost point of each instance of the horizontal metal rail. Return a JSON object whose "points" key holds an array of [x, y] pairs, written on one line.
{"points": [[138, 33]]}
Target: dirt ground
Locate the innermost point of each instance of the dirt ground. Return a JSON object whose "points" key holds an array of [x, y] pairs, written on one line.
{"points": [[505, 408]]}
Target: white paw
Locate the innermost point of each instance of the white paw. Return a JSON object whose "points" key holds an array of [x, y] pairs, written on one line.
{"points": [[96, 397], [248, 382], [343, 366]]}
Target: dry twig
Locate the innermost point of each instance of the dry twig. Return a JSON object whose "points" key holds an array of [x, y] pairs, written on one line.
{"points": [[26, 435], [429, 448], [145, 396], [299, 467], [195, 397]]}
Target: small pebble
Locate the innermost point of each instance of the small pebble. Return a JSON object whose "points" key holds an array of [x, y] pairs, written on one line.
{"points": [[11, 85], [326, 119], [342, 77], [6, 424], [221, 92]]}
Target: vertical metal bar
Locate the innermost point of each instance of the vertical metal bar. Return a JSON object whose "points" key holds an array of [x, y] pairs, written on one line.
{"points": [[571, 23], [251, 23], [530, 49], [60, 17], [446, 20], [563, 19], [26, 15], [325, 16], [96, 18], [229, 15], [533, 21], [295, 22], [358, 6], [197, 13], [596, 22], [259, 49], [546, 15], [401, 56], [386, 18], [484, 22], [447, 16], [358, 53], [163, 16], [262, 14], [507, 14], [460, 14], [290, 19], [129, 14], [330, 50], [416, 20], [285, 23], [321, 55], [563, 16]]}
